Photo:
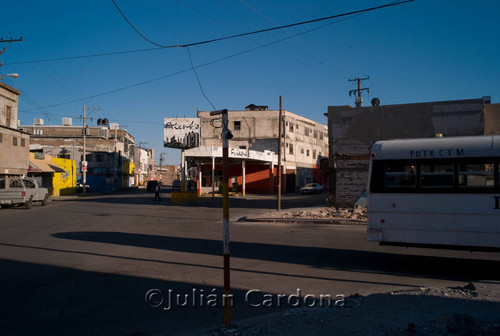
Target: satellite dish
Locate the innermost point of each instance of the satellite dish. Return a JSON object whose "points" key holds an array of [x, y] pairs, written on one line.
{"points": [[375, 102]]}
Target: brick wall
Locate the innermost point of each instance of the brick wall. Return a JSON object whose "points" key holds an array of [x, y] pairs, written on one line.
{"points": [[352, 132]]}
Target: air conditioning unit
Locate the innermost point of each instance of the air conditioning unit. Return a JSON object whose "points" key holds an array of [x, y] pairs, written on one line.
{"points": [[38, 121], [103, 133], [67, 121]]}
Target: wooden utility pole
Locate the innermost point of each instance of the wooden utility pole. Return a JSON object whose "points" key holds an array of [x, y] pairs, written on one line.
{"points": [[280, 131], [359, 99], [84, 161], [2, 40], [227, 297]]}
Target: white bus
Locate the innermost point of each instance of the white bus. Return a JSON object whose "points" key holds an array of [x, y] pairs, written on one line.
{"points": [[436, 192]]}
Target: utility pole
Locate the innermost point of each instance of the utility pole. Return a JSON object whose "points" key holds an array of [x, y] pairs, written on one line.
{"points": [[280, 131], [84, 161], [161, 161], [2, 51], [226, 135], [359, 99]]}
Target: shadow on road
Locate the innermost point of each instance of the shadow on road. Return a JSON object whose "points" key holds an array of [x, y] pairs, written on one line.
{"points": [[348, 260], [250, 202]]}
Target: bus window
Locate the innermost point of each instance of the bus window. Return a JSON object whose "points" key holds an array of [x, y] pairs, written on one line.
{"points": [[399, 174], [476, 175], [436, 174]]}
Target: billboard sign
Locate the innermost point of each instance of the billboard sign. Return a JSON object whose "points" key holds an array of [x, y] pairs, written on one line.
{"points": [[181, 132]]}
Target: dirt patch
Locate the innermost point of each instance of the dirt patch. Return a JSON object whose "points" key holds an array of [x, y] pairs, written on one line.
{"points": [[459, 311]]}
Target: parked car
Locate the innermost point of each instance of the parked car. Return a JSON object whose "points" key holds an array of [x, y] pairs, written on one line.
{"points": [[15, 190], [312, 188], [151, 185]]}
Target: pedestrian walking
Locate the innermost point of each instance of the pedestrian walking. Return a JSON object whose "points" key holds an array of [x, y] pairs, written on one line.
{"points": [[157, 192]]}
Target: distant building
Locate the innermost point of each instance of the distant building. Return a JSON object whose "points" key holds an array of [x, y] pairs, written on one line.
{"points": [[14, 143], [353, 130], [254, 149], [110, 151]]}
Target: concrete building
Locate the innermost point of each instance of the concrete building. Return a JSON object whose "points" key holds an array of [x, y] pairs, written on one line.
{"points": [[254, 148], [353, 130], [110, 151], [14, 143]]}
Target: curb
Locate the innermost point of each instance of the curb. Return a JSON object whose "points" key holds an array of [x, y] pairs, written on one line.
{"points": [[336, 221]]}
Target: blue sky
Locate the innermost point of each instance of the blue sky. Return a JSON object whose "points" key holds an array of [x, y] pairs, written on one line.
{"points": [[421, 51]]}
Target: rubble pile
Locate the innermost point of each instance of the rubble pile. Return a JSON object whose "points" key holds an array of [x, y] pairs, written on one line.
{"points": [[328, 213]]}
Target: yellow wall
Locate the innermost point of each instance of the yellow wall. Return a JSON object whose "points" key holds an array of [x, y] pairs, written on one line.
{"points": [[64, 183], [128, 168]]}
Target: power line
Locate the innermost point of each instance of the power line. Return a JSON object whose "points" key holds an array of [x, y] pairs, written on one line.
{"points": [[198, 79], [190, 69], [261, 30], [153, 49], [82, 56]]}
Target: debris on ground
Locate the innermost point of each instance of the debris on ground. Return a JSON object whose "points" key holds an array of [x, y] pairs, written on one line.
{"points": [[466, 310], [356, 213]]}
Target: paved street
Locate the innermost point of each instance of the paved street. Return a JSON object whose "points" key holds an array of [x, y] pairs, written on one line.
{"points": [[83, 266]]}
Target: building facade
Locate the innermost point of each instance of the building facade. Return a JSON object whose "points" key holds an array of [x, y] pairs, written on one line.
{"points": [[110, 152], [14, 143], [353, 131], [255, 140]]}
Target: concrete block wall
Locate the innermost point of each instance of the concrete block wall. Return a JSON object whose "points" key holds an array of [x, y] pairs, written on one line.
{"points": [[352, 132]]}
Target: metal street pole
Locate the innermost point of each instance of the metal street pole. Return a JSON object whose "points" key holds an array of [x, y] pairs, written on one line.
{"points": [[225, 212], [84, 165], [280, 126]]}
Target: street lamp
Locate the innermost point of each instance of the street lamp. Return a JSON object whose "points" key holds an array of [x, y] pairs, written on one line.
{"points": [[12, 75]]}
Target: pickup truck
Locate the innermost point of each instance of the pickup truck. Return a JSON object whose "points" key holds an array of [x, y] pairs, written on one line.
{"points": [[17, 190]]}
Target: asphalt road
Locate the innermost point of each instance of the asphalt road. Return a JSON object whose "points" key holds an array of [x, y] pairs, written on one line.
{"points": [[84, 266]]}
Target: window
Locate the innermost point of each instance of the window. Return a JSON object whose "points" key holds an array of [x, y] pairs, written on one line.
{"points": [[29, 184], [8, 117], [290, 149], [321, 135], [302, 151], [243, 147], [315, 134], [314, 154], [307, 152], [476, 174], [290, 128], [399, 174], [237, 125], [16, 184], [436, 174], [23, 142], [2, 184], [14, 141], [306, 131]]}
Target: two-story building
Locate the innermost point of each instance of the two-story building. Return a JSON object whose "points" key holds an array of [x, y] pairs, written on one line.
{"points": [[254, 147], [110, 151], [14, 143]]}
